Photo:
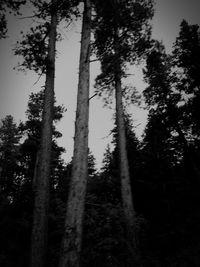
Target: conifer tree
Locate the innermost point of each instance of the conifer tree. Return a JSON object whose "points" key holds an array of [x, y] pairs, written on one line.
{"points": [[42, 168], [9, 155], [39, 55], [166, 98], [71, 246], [185, 54], [122, 36]]}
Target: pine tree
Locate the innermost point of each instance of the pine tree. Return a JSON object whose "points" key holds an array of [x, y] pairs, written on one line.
{"points": [[9, 154], [42, 169], [165, 98], [31, 131], [39, 55], [71, 247], [122, 36], [185, 55]]}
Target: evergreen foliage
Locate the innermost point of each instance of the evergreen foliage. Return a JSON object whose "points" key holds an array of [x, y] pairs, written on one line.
{"points": [[170, 151], [164, 165], [34, 44], [131, 20], [19, 146]]}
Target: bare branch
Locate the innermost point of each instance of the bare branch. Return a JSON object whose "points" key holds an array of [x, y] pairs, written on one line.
{"points": [[129, 74], [37, 80], [36, 15], [94, 60], [105, 137], [92, 97]]}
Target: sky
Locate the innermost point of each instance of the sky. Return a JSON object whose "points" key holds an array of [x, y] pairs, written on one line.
{"points": [[15, 87]]}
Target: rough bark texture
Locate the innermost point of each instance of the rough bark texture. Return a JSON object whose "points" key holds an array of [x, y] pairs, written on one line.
{"points": [[71, 247], [42, 170]]}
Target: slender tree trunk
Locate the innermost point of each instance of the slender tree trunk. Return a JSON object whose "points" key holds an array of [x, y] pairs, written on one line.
{"points": [[71, 247], [126, 193], [42, 170]]}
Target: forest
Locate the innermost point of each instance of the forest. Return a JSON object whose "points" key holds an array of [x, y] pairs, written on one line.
{"points": [[141, 208]]}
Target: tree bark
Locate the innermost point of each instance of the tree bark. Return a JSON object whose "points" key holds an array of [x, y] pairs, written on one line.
{"points": [[126, 192], [42, 170], [71, 246]]}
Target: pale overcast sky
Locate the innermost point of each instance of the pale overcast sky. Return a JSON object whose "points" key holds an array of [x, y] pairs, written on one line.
{"points": [[15, 87]]}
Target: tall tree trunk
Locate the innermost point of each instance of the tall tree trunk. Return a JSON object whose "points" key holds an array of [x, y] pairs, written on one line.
{"points": [[71, 247], [126, 193], [42, 170]]}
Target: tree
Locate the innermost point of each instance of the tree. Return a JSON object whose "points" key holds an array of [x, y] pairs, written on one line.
{"points": [[170, 144], [165, 96], [9, 154], [185, 52], [42, 169], [162, 101], [122, 36], [11, 180], [19, 147], [105, 241], [39, 55], [13, 6], [31, 130], [71, 247]]}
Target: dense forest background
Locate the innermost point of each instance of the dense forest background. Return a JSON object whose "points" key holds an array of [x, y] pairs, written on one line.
{"points": [[163, 164]]}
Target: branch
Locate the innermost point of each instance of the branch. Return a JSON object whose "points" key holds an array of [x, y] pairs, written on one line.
{"points": [[30, 17], [70, 22], [135, 126], [94, 60], [92, 97], [107, 135], [129, 74], [37, 80]]}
